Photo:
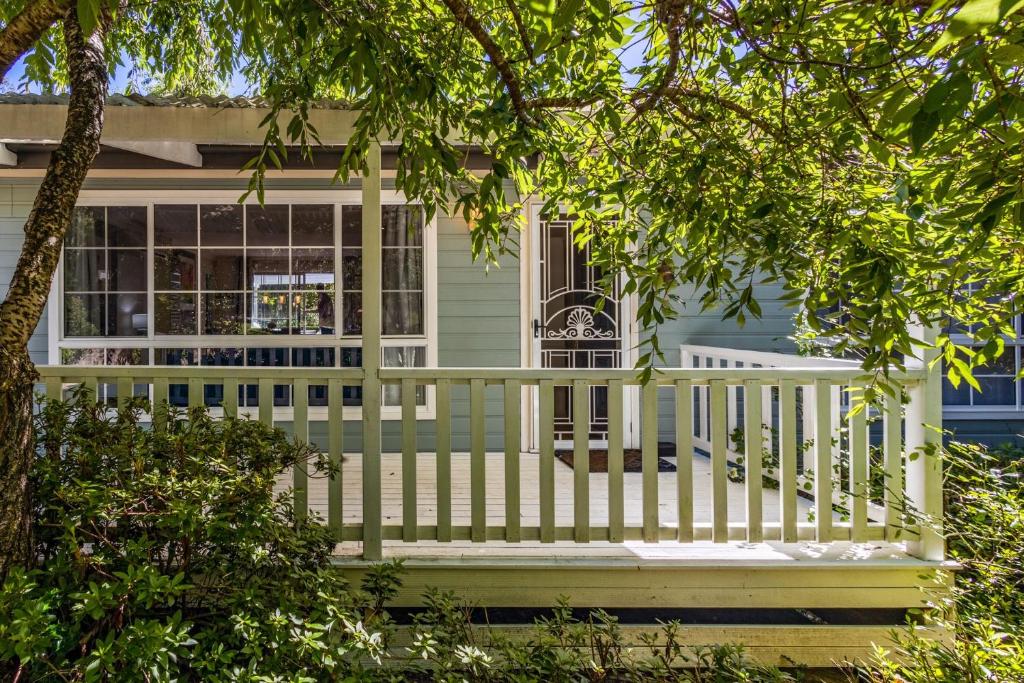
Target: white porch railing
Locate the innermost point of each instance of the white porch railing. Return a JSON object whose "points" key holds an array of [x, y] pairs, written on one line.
{"points": [[704, 400]]}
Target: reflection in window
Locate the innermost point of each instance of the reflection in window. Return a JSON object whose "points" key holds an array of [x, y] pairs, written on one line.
{"points": [[105, 273]]}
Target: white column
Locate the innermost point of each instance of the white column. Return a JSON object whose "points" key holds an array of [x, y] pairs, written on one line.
{"points": [[371, 320]]}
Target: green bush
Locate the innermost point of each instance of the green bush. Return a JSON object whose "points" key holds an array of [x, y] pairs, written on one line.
{"points": [[165, 554], [984, 526]]}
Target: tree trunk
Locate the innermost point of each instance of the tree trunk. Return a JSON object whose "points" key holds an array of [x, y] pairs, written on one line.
{"points": [[20, 312]]}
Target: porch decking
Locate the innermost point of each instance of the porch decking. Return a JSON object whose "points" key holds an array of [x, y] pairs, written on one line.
{"points": [[529, 487]]}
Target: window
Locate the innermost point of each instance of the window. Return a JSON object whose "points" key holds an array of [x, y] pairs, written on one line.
{"points": [[105, 273], [181, 281], [1000, 390]]}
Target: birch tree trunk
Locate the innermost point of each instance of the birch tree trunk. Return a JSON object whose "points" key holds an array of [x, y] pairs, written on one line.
{"points": [[21, 310]]}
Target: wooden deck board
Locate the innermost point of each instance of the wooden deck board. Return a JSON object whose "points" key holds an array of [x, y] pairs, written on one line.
{"points": [[426, 487]]}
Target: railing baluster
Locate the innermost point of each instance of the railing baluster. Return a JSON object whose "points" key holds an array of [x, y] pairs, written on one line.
{"points": [[335, 446], [442, 396], [477, 463], [161, 406], [581, 459], [719, 464], [616, 508], [787, 459], [684, 459], [54, 388], [547, 460], [807, 403], [858, 429], [124, 391], [649, 460], [732, 403], [92, 386], [266, 399], [892, 444], [754, 442], [195, 392], [823, 460], [512, 479], [300, 426], [230, 397], [409, 521]]}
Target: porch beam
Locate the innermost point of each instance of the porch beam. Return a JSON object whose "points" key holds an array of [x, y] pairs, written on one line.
{"points": [[371, 283], [184, 153]]}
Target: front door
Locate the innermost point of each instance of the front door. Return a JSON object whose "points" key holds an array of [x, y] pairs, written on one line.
{"points": [[569, 328]]}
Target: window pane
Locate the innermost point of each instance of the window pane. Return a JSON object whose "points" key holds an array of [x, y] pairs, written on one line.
{"points": [[403, 269], [313, 312], [268, 313], [267, 270], [84, 315], [403, 357], [174, 269], [127, 270], [127, 357], [174, 225], [1004, 365], [174, 356], [126, 226], [126, 315], [222, 270], [352, 314], [84, 270], [175, 314], [996, 391], [403, 225], [352, 269], [223, 313], [86, 227], [267, 226], [312, 268], [403, 313], [225, 357], [220, 225], [351, 226], [83, 356], [312, 225]]}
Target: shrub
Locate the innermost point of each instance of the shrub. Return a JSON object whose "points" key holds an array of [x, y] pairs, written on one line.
{"points": [[165, 554], [984, 527]]}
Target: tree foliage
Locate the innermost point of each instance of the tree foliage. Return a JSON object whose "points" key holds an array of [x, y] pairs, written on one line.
{"points": [[864, 155]]}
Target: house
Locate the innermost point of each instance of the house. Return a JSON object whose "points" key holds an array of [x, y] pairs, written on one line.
{"points": [[486, 422]]}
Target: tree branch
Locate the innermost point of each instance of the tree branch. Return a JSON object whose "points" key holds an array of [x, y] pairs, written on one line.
{"points": [[512, 86], [521, 29], [27, 27]]}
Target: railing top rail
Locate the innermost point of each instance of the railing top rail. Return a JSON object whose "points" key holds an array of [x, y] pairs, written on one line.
{"points": [[629, 376], [632, 376], [768, 358]]}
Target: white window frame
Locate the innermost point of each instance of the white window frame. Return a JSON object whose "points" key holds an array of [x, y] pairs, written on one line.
{"points": [[150, 342], [993, 412]]}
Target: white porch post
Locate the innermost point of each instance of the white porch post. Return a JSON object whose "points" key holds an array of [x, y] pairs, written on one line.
{"points": [[924, 442], [371, 320]]}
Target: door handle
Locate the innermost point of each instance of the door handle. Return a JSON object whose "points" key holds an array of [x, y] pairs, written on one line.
{"points": [[537, 327]]}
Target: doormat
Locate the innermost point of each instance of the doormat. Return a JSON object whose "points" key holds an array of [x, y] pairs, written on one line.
{"points": [[632, 458]]}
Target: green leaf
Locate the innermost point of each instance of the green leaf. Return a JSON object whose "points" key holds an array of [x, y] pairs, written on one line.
{"points": [[974, 16], [88, 15], [922, 128]]}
